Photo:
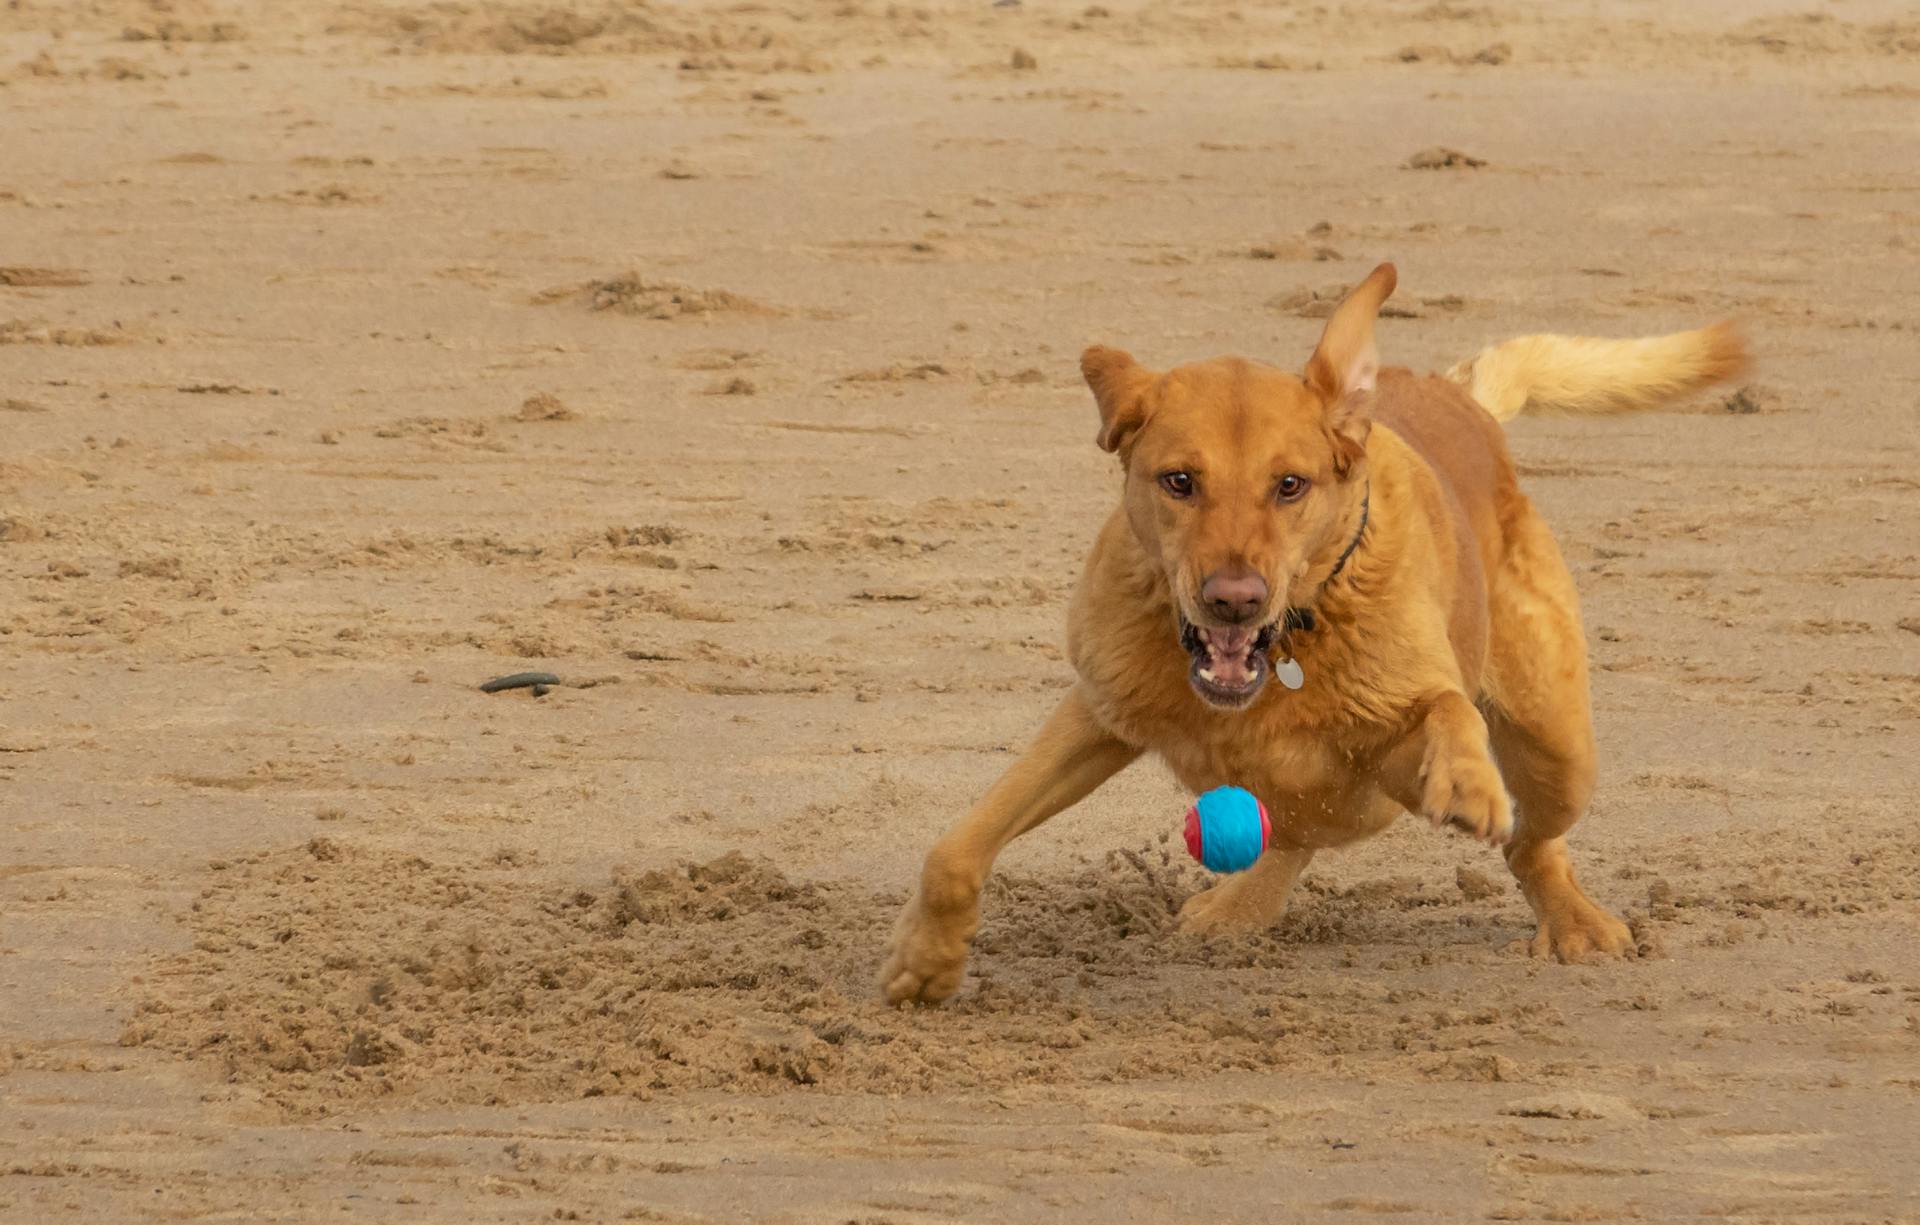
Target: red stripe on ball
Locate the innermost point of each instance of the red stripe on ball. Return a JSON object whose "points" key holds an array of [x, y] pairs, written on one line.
{"points": [[1193, 830]]}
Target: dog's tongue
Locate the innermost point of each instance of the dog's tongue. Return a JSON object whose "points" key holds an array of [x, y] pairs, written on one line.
{"points": [[1230, 656]]}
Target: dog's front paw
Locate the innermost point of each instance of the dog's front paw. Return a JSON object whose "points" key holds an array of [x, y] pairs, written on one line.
{"points": [[1464, 789], [929, 955]]}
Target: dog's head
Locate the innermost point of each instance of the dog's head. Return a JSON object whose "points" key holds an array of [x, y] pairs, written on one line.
{"points": [[1244, 483]]}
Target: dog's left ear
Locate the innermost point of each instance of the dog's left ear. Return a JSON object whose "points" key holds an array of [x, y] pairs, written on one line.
{"points": [[1344, 367]]}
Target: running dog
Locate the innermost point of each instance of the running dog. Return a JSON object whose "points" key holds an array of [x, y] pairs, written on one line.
{"points": [[1329, 589]]}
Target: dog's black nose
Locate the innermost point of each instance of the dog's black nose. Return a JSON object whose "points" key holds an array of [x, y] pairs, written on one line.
{"points": [[1234, 597]]}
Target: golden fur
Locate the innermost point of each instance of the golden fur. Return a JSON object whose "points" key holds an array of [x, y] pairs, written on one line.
{"points": [[1449, 640], [1588, 375]]}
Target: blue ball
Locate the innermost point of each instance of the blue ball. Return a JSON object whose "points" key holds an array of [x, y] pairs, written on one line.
{"points": [[1227, 828]]}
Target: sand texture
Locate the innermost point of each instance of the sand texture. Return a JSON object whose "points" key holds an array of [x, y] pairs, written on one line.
{"points": [[720, 359]]}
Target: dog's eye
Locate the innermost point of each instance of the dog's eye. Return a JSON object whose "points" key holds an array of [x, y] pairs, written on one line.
{"points": [[1177, 484], [1290, 487]]}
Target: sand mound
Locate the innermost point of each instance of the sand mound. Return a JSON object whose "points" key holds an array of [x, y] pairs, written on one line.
{"points": [[550, 29], [634, 294], [330, 973], [34, 332], [131, 20], [19, 277]]}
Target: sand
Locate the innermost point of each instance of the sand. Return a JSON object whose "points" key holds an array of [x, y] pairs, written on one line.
{"points": [[720, 359]]}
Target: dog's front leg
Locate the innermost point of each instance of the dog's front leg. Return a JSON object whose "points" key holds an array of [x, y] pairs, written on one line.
{"points": [[1071, 756], [1443, 769]]}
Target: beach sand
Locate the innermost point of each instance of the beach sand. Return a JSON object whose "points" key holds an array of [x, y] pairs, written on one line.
{"points": [[721, 359]]}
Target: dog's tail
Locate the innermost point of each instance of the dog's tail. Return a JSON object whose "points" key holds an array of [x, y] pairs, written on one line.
{"points": [[1591, 376]]}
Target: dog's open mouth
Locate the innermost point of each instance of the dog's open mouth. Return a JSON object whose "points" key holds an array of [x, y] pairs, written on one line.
{"points": [[1229, 664]]}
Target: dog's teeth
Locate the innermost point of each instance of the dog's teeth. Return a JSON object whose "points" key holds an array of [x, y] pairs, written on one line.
{"points": [[1206, 674]]}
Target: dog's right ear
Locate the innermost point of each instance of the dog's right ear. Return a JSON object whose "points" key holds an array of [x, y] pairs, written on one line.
{"points": [[1119, 387], [1344, 368]]}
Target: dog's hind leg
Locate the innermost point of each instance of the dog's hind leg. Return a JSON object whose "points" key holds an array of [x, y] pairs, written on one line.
{"points": [[1540, 722], [1071, 756], [1550, 774]]}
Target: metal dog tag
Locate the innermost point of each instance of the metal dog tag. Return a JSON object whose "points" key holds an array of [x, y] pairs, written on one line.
{"points": [[1288, 673]]}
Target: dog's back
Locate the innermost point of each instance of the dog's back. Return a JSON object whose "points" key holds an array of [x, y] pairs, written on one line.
{"points": [[1455, 422]]}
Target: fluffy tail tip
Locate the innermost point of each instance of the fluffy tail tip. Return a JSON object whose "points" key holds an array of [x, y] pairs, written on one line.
{"points": [[1726, 356]]}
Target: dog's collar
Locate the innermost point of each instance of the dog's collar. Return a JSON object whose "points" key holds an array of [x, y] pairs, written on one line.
{"points": [[1366, 506], [1302, 618]]}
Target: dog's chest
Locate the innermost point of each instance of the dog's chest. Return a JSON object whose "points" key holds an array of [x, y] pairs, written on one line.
{"points": [[1243, 749], [1318, 787], [1302, 737]]}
